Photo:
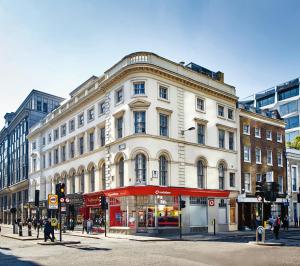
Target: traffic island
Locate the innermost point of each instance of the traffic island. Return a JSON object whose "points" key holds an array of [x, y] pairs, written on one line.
{"points": [[22, 238], [270, 244], [61, 243]]}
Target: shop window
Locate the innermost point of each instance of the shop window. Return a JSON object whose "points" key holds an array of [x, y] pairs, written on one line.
{"points": [[200, 174], [140, 168], [167, 211], [92, 179], [221, 175], [163, 171]]}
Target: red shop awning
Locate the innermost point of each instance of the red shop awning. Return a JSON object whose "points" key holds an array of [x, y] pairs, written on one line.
{"points": [[92, 199]]}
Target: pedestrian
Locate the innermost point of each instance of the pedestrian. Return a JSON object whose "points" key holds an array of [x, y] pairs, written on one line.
{"points": [[47, 231], [84, 225], [285, 223], [89, 225], [296, 220], [276, 227]]}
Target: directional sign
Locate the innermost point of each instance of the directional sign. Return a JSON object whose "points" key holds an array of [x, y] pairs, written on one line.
{"points": [[53, 222], [52, 202]]}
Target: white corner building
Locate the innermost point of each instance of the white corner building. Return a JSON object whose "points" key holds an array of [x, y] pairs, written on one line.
{"points": [[146, 133]]}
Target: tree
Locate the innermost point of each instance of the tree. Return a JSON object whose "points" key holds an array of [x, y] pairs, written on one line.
{"points": [[295, 143]]}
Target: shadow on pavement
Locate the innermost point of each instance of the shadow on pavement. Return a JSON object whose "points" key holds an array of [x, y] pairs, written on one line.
{"points": [[87, 248], [6, 258]]}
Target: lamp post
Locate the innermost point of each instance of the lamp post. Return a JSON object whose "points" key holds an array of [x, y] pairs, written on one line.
{"points": [[189, 129]]}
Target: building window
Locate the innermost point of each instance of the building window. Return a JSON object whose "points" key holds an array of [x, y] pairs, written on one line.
{"points": [[73, 183], [81, 145], [247, 157], [91, 141], [232, 179], [200, 174], [44, 161], [82, 182], [45, 107], [247, 182], [163, 92], [92, 179], [91, 114], [71, 125], [231, 140], [81, 120], [34, 164], [221, 138], [121, 172], [39, 106], [139, 88], [246, 129], [140, 168], [258, 178], [56, 134], [119, 126], [101, 108], [163, 125], [33, 145], [258, 155], [221, 170], [56, 156], [63, 153], [269, 157], [269, 134], [119, 96], [49, 159], [291, 135], [72, 149], [44, 141], [292, 122], [288, 108], [49, 138], [280, 183], [163, 171], [63, 130], [288, 93], [279, 159], [294, 178], [279, 137], [102, 136], [269, 176], [266, 100], [140, 122], [221, 110], [257, 132], [200, 105], [230, 114], [201, 134]]}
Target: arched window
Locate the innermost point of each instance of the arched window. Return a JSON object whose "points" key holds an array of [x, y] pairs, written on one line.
{"points": [[163, 171], [92, 179], [140, 168], [82, 181], [200, 174], [221, 175], [121, 172], [103, 177]]}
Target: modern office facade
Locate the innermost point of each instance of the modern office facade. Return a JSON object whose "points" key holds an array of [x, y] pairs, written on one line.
{"points": [[262, 159], [285, 99], [145, 133], [14, 155]]}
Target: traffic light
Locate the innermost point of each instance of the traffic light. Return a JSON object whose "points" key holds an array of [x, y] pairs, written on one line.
{"points": [[103, 203], [182, 204], [36, 198], [60, 190], [271, 191], [259, 189]]}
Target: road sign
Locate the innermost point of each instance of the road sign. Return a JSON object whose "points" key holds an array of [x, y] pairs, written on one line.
{"points": [[211, 202], [62, 200], [53, 222], [67, 200], [52, 202], [259, 198]]}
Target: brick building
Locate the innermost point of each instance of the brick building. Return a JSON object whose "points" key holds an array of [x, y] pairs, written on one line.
{"points": [[262, 144]]}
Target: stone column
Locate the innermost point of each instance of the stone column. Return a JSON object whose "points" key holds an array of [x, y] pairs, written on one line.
{"points": [[77, 183], [86, 182], [97, 179]]}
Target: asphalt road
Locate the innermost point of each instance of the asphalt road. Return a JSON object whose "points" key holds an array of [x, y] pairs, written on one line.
{"points": [[128, 252]]}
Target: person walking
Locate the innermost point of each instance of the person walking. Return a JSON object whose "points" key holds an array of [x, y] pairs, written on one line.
{"points": [[47, 231], [285, 223], [276, 227], [84, 226], [89, 225]]}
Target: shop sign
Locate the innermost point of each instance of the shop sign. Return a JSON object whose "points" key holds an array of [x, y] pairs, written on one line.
{"points": [[92, 201], [211, 202], [52, 202], [63, 208]]}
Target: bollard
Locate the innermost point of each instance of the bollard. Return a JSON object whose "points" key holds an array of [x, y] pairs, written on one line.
{"points": [[29, 229], [20, 229]]}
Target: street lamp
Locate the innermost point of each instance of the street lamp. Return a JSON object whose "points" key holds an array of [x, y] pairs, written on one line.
{"points": [[189, 129]]}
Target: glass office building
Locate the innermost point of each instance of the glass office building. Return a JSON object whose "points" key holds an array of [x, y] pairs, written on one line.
{"points": [[14, 155]]}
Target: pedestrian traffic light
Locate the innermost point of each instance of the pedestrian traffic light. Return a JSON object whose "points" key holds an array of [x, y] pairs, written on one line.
{"points": [[259, 189], [182, 204]]}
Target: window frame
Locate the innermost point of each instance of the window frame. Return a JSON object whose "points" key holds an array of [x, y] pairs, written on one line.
{"points": [[223, 139], [267, 135], [268, 153], [230, 109], [161, 86], [258, 149], [259, 131], [134, 89], [117, 101], [249, 153], [196, 104], [199, 125], [248, 129], [164, 129], [101, 108], [90, 119], [250, 188], [279, 140], [218, 114], [79, 120]]}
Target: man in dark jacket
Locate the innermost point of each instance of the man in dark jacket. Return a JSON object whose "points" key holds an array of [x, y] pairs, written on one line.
{"points": [[47, 231]]}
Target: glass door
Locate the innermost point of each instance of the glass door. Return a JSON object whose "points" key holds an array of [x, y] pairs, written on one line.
{"points": [[141, 220]]}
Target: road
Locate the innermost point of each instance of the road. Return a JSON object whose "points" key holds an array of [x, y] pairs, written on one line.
{"points": [[127, 252]]}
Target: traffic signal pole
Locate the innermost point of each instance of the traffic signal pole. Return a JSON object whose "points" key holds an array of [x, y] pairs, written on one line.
{"points": [[180, 226], [105, 223], [59, 210]]}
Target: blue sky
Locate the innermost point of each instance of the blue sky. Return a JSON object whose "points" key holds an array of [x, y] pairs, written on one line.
{"points": [[56, 45]]}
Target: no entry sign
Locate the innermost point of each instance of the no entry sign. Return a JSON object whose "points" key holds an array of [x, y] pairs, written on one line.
{"points": [[211, 202]]}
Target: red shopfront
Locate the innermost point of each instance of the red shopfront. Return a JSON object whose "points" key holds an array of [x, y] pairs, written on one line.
{"points": [[144, 208]]}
